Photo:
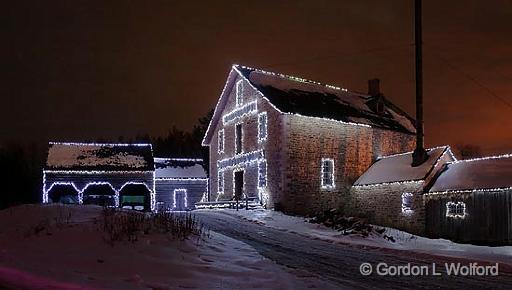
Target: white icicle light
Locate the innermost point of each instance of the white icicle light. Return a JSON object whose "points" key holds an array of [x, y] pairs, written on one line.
{"points": [[389, 183], [174, 197]]}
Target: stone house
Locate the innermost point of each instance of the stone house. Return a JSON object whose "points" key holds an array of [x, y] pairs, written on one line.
{"points": [[391, 191], [297, 145]]}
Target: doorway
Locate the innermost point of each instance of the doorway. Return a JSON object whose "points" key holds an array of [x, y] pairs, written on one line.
{"points": [[239, 184]]}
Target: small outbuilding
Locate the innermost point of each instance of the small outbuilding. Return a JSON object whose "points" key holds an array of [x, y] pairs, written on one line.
{"points": [[116, 175], [180, 183], [390, 192], [471, 201]]}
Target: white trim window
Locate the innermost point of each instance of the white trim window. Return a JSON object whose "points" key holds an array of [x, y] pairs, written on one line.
{"points": [[262, 126], [456, 209], [327, 173], [220, 148], [239, 93], [220, 182], [407, 200], [262, 174]]}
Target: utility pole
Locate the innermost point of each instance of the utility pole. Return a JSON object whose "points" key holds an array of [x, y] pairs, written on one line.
{"points": [[419, 155]]}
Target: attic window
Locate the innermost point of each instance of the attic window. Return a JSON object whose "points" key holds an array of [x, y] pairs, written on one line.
{"points": [[455, 209], [327, 173], [407, 203], [239, 93]]}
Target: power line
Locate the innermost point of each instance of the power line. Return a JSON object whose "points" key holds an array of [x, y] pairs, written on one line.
{"points": [[472, 79]]}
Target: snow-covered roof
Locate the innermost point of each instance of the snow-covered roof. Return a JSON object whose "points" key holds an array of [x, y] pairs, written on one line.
{"points": [[480, 173], [309, 98], [397, 167], [179, 168], [312, 99], [98, 156]]}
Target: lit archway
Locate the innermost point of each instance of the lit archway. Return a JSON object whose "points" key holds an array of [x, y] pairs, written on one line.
{"points": [[63, 193], [135, 196], [102, 194]]}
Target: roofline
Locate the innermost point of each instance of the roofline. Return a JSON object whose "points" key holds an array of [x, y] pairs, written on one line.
{"points": [[99, 144], [177, 159], [446, 150], [509, 155], [453, 191]]}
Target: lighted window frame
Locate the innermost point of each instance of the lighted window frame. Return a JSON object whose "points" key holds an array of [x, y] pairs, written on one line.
{"points": [[456, 209], [327, 173], [262, 126], [407, 201], [220, 182], [220, 136], [239, 93], [262, 174]]}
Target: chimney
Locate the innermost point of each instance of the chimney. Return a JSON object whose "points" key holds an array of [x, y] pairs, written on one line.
{"points": [[374, 87], [419, 156]]}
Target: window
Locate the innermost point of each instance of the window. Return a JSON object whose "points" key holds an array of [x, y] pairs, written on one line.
{"points": [[262, 174], [220, 182], [239, 93], [327, 173], [238, 138], [455, 209], [221, 141], [262, 127], [407, 203]]}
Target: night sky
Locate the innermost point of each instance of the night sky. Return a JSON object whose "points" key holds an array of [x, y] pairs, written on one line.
{"points": [[77, 70]]}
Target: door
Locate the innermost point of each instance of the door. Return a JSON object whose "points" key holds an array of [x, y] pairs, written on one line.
{"points": [[180, 199], [239, 184]]}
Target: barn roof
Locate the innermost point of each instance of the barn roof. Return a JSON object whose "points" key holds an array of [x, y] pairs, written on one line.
{"points": [[481, 173], [99, 156], [312, 99], [179, 168], [397, 168]]}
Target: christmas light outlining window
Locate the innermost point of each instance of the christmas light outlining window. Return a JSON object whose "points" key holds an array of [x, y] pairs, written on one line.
{"points": [[327, 173], [262, 174], [455, 209], [407, 199], [221, 141], [239, 93], [184, 191], [220, 182], [262, 126]]}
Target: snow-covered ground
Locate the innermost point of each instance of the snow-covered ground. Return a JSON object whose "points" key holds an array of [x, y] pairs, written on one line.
{"points": [[68, 252], [403, 240]]}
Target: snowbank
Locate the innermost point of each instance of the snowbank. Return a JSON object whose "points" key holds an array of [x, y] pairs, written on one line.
{"points": [[60, 247], [404, 240]]}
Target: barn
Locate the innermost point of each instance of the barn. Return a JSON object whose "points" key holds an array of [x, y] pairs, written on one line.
{"points": [[180, 183], [297, 145], [102, 174], [471, 201], [390, 192]]}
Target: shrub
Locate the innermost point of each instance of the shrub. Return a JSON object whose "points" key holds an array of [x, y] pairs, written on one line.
{"points": [[118, 225]]}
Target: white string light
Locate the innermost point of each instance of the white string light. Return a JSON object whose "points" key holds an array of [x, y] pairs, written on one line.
{"points": [[330, 166], [452, 209], [240, 160], [184, 196], [262, 127], [388, 183], [247, 109]]}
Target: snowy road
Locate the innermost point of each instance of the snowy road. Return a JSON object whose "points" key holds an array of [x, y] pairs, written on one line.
{"points": [[339, 263]]}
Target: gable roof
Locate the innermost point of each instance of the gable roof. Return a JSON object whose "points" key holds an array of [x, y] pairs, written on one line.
{"points": [[397, 168], [99, 156], [493, 172], [293, 95], [179, 168]]}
